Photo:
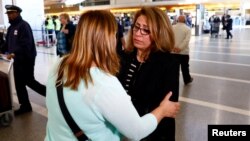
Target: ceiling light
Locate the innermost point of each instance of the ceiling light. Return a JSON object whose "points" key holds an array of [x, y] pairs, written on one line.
{"points": [[72, 2]]}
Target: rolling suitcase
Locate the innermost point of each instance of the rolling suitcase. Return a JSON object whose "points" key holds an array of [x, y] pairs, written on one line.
{"points": [[6, 110], [5, 99]]}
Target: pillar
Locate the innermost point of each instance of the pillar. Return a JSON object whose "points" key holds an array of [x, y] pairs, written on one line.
{"points": [[198, 20]]}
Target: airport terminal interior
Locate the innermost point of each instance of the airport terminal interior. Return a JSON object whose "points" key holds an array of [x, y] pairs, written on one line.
{"points": [[218, 95]]}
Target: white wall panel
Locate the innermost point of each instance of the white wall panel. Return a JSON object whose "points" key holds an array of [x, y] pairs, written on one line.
{"points": [[3, 16], [33, 12]]}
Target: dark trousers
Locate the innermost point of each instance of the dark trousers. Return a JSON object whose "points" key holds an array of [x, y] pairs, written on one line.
{"points": [[165, 131], [24, 76], [56, 32], [184, 63], [229, 33], [49, 32]]}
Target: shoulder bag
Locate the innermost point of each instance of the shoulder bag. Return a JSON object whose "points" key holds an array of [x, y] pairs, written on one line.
{"points": [[79, 134]]}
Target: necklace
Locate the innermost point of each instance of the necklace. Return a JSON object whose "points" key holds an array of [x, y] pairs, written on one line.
{"points": [[142, 57]]}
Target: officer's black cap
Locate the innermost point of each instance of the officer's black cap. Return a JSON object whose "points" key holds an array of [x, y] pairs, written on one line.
{"points": [[12, 8]]}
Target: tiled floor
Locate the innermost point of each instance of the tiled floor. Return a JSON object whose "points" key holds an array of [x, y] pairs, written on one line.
{"points": [[219, 94]]}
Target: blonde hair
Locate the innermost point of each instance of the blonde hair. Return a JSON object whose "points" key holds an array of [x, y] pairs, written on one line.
{"points": [[65, 16], [94, 42], [161, 32]]}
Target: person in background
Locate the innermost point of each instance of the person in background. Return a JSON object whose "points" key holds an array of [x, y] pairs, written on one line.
{"points": [[189, 20], [65, 36], [223, 21], [20, 46], [182, 37], [120, 38], [211, 22], [148, 69], [57, 24], [229, 26], [49, 28], [94, 96]]}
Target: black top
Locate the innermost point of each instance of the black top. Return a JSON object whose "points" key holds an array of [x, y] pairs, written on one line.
{"points": [[153, 80], [119, 36], [132, 70], [229, 24], [70, 36]]}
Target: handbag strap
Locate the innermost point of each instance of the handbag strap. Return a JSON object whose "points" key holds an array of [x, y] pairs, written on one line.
{"points": [[79, 134]]}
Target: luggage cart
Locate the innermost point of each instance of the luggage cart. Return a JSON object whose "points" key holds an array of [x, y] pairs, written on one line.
{"points": [[215, 28], [42, 38], [6, 101]]}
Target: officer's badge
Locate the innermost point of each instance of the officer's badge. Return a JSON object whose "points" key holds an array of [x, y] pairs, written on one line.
{"points": [[15, 32]]}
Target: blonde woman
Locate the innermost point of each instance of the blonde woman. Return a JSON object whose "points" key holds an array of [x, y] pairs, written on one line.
{"points": [[66, 35], [95, 98], [148, 69]]}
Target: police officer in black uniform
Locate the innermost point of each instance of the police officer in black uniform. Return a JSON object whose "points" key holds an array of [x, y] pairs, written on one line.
{"points": [[20, 46]]}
